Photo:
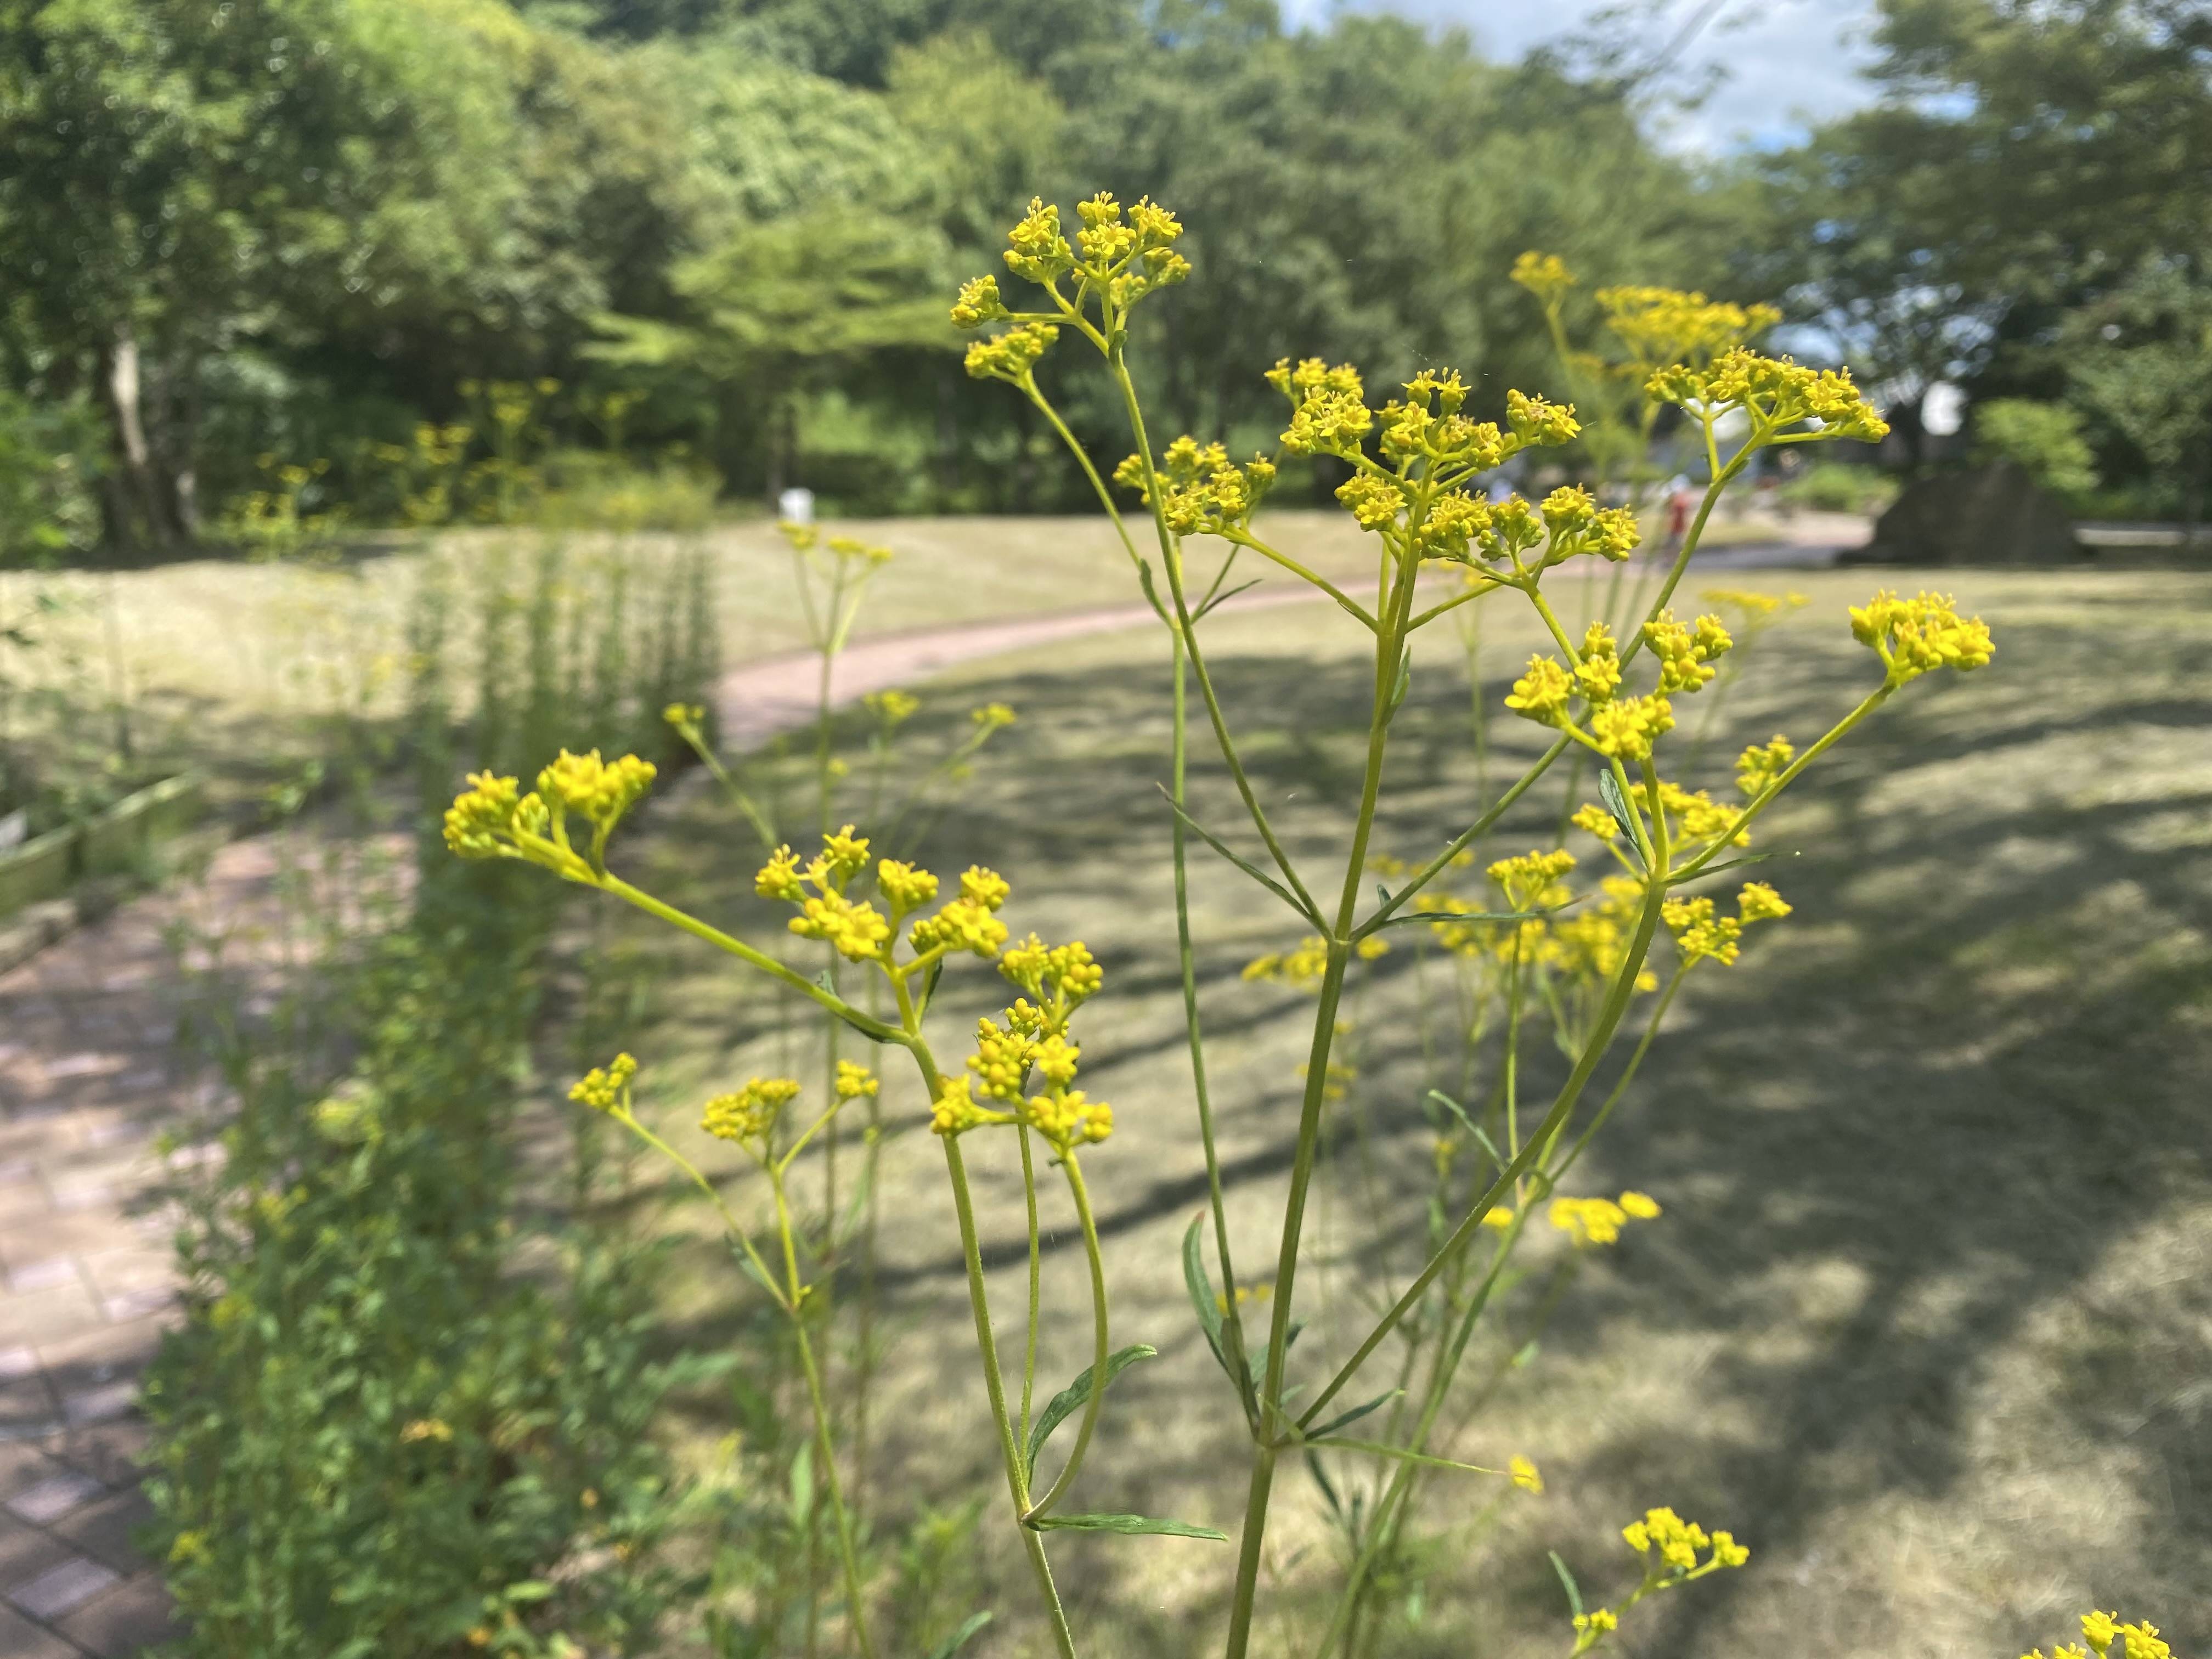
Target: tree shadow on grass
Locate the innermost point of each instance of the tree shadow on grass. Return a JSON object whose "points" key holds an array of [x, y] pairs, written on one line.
{"points": [[1961, 1088]]}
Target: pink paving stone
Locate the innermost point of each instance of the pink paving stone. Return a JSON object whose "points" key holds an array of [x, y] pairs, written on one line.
{"points": [[21, 1639], [128, 1620], [42, 1275], [62, 1589], [103, 1404], [83, 1065], [54, 1498]]}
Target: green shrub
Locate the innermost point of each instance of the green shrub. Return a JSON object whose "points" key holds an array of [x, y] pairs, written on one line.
{"points": [[47, 503], [2043, 439], [1835, 487]]}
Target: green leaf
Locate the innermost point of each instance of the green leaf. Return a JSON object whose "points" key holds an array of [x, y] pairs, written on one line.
{"points": [[1470, 1125], [960, 1638], [1328, 1489], [1201, 1287], [1749, 858], [1125, 1523], [1411, 916], [1377, 1449], [1354, 1414], [1616, 802], [1222, 599], [528, 1590], [1567, 1579], [1076, 1395], [1243, 863], [1398, 687], [802, 1485]]}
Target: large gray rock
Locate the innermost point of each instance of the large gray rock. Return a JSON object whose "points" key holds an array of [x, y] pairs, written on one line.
{"points": [[1976, 515]]}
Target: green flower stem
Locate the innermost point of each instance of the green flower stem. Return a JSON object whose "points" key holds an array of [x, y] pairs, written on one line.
{"points": [[1616, 1004], [1442, 1371], [1010, 1451], [1627, 1075], [1036, 1263], [1180, 839], [1246, 538], [1268, 1429], [848, 1550], [986, 1346], [1172, 558], [768, 964], [1100, 1342], [1436, 865], [697, 742], [1028, 387], [1881, 694]]}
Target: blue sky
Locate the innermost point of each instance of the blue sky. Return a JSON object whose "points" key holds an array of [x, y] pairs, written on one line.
{"points": [[1791, 61]]}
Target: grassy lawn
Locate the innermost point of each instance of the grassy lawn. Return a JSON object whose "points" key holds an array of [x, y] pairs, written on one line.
{"points": [[1926, 1320]]}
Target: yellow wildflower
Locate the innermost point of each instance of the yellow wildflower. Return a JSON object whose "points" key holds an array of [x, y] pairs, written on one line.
{"points": [[1914, 636], [891, 708], [955, 1111], [606, 1090], [1596, 821], [856, 931], [1544, 275], [855, 1080], [1761, 764], [1628, 728], [1542, 694], [779, 876], [1524, 1473], [904, 887], [748, 1115]]}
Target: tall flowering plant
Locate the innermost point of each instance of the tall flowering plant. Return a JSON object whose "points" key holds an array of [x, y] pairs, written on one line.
{"points": [[1417, 464]]}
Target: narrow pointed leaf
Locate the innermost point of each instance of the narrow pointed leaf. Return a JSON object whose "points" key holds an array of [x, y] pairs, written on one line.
{"points": [[1749, 858], [1200, 1288], [1567, 1580], [1126, 1523], [1241, 862], [960, 1638], [1222, 599], [1377, 1449], [1076, 1395], [1354, 1414]]}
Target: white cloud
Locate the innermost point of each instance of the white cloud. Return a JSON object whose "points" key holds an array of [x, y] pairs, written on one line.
{"points": [[1790, 62]]}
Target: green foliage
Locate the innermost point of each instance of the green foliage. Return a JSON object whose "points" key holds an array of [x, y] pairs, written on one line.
{"points": [[47, 503], [2045, 440], [2141, 358], [396, 1419], [1840, 487]]}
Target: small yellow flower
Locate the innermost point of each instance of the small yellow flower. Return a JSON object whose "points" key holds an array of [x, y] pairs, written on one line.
{"points": [[749, 1116], [1498, 1217], [1598, 1622], [855, 1080], [1542, 694], [1641, 1205], [1524, 1473], [606, 1090], [1596, 821], [904, 887], [426, 1428], [779, 876]]}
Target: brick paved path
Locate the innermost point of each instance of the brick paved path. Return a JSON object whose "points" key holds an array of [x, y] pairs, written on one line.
{"points": [[91, 1073]]}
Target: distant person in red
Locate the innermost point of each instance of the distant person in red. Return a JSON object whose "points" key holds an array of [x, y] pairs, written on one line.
{"points": [[1681, 501]]}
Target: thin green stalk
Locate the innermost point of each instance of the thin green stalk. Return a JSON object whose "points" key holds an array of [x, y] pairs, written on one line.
{"points": [[1102, 1345], [1268, 1435], [1036, 1263], [1508, 1179]]}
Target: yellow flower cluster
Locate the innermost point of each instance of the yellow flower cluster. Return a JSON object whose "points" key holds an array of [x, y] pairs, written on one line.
{"points": [[806, 538], [1201, 491], [1700, 933], [492, 819], [606, 1089], [855, 928], [1598, 1220], [1667, 326], [2102, 1632], [1013, 355], [1029, 1044], [1917, 635], [891, 708], [1120, 255], [1532, 881], [749, 1116], [1671, 1545], [1756, 606], [1696, 817], [1592, 944], [855, 1080], [1628, 728], [1775, 392], [1544, 275], [968, 922], [1762, 763], [1686, 653]]}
